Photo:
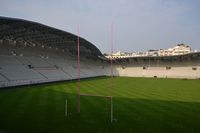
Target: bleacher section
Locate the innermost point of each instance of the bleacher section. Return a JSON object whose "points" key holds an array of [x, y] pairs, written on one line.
{"points": [[189, 70], [31, 53], [175, 72], [21, 70], [33, 68]]}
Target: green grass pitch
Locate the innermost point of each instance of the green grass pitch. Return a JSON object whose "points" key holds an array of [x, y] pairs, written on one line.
{"points": [[141, 105]]}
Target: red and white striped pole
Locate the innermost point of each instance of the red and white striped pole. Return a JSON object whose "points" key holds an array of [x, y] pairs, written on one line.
{"points": [[78, 70], [111, 52], [111, 73]]}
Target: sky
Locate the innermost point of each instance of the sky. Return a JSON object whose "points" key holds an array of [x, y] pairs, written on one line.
{"points": [[138, 25]]}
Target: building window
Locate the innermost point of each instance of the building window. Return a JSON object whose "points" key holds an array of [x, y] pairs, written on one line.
{"points": [[168, 67], [194, 68], [30, 66]]}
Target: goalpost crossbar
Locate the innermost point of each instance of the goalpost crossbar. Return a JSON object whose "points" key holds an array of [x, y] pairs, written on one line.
{"points": [[94, 95]]}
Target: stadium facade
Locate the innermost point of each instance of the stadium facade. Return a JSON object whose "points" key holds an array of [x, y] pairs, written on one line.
{"points": [[32, 53]]}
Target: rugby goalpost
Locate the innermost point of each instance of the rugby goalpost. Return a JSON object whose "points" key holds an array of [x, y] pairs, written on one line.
{"points": [[78, 78]]}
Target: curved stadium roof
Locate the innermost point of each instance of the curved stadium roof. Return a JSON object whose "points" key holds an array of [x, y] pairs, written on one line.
{"points": [[35, 33]]}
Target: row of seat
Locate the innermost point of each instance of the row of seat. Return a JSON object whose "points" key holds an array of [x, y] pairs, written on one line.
{"points": [[35, 69], [174, 72]]}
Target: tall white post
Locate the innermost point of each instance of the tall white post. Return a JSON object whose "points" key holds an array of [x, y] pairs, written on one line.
{"points": [[111, 72], [66, 108], [111, 110]]}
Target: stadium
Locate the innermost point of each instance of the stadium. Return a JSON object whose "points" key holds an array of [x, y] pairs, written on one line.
{"points": [[39, 71]]}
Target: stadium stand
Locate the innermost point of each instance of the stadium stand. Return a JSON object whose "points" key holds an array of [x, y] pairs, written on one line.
{"points": [[184, 66], [32, 53]]}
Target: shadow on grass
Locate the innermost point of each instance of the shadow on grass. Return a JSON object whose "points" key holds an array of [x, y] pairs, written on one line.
{"points": [[43, 111]]}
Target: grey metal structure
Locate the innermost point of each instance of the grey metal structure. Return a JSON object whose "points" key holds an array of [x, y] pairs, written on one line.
{"points": [[33, 33]]}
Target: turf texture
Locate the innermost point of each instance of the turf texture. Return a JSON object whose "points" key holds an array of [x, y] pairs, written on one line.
{"points": [[141, 105]]}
